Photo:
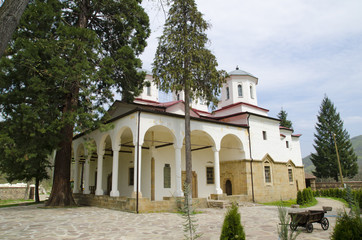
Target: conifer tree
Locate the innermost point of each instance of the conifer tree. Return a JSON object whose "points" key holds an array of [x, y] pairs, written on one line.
{"points": [[284, 122], [182, 63], [78, 52], [232, 228], [325, 158]]}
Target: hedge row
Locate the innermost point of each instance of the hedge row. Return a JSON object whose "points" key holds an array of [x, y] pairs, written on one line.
{"points": [[304, 197], [340, 193]]}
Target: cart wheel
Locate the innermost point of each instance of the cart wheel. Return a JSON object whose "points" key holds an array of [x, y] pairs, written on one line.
{"points": [[309, 227], [325, 223], [293, 226]]}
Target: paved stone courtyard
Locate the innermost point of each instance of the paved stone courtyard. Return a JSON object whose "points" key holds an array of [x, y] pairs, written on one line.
{"points": [[35, 222]]}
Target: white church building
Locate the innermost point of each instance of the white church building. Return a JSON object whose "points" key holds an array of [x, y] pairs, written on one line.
{"points": [[238, 152]]}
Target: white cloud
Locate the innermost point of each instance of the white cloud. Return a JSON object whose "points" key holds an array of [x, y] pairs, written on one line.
{"points": [[299, 50]]}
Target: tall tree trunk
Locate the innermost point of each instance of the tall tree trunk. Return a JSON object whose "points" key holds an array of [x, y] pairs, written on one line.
{"points": [[36, 190], [61, 194], [10, 14], [188, 144]]}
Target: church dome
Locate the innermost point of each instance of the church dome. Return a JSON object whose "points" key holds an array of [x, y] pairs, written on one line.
{"points": [[239, 72]]}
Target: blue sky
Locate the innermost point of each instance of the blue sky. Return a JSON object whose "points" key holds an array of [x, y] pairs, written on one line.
{"points": [[300, 50]]}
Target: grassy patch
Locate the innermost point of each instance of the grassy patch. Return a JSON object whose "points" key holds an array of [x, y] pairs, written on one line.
{"points": [[17, 202], [310, 204], [282, 203], [289, 203], [12, 201]]}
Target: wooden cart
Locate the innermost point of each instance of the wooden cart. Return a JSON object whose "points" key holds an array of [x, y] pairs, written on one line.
{"points": [[305, 219]]}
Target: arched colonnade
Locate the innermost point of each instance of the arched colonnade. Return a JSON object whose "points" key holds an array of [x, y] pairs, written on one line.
{"points": [[144, 153]]}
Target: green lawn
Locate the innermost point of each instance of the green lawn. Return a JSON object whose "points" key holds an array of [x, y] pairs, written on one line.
{"points": [[289, 203], [7, 203]]}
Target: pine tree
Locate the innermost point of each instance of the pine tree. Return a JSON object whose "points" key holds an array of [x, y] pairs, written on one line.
{"points": [[78, 52], [182, 63], [325, 158], [232, 228], [284, 122]]}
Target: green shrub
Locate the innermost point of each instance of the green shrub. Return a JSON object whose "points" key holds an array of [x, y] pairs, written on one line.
{"points": [[300, 199], [305, 196], [347, 227], [232, 228]]}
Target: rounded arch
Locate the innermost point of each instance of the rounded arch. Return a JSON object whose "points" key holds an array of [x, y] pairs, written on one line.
{"points": [[80, 150], [159, 135], [122, 137], [201, 139], [231, 141], [231, 148]]}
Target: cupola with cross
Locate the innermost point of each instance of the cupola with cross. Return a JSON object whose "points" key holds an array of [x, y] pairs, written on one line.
{"points": [[240, 86]]}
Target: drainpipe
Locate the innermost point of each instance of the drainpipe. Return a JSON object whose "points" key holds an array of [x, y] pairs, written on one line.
{"points": [[138, 158], [251, 161]]}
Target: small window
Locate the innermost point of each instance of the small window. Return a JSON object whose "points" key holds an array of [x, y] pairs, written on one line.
{"points": [[267, 174], [287, 144], [227, 93], [178, 97], [167, 176], [240, 90], [251, 92], [290, 174], [131, 176], [264, 135], [149, 91], [210, 175]]}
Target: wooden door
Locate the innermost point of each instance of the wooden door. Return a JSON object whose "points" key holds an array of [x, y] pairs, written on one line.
{"points": [[109, 184], [228, 187], [194, 183]]}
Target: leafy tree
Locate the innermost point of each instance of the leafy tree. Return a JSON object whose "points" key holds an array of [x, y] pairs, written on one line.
{"points": [[24, 151], [78, 52], [182, 63], [10, 14], [325, 158], [232, 228], [284, 122]]}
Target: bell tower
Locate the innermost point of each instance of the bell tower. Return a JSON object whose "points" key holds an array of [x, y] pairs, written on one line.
{"points": [[240, 86]]}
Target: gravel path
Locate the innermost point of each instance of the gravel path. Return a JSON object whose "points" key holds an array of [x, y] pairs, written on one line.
{"points": [[35, 222]]}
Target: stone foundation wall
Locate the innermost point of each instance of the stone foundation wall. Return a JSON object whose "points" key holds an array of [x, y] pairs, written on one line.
{"points": [[240, 174], [235, 171], [9, 193], [280, 188], [129, 204]]}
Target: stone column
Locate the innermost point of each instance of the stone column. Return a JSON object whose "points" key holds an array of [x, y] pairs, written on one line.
{"points": [[218, 190], [134, 194], [76, 173], [178, 180], [115, 192], [86, 174], [99, 190]]}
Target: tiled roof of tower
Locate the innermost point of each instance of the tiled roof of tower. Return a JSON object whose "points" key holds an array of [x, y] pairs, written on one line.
{"points": [[239, 72]]}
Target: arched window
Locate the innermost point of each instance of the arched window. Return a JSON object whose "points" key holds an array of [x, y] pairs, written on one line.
{"points": [[251, 92], [240, 90], [149, 90], [268, 178], [178, 97], [227, 93]]}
